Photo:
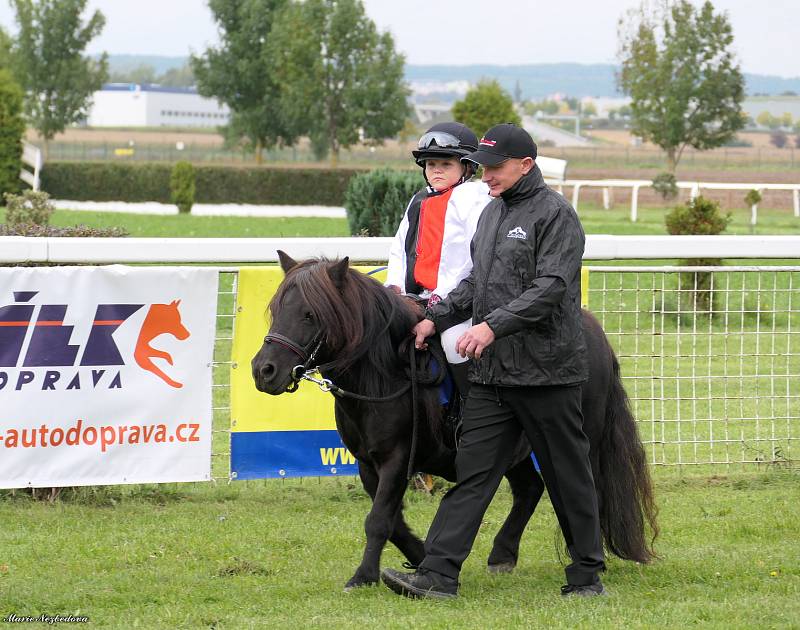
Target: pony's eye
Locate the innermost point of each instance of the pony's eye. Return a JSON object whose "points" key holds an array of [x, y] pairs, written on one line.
{"points": [[308, 317]]}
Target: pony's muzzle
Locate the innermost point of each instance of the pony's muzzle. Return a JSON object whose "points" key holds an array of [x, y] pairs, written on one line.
{"points": [[263, 374]]}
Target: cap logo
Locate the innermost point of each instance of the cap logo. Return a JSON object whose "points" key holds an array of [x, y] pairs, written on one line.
{"points": [[487, 142]]}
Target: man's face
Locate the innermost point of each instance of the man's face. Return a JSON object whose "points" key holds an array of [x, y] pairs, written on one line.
{"points": [[442, 173], [503, 176]]}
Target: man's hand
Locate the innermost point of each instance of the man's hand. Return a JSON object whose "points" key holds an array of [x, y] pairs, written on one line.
{"points": [[395, 288], [422, 331], [475, 340]]}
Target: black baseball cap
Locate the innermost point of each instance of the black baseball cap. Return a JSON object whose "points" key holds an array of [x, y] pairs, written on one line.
{"points": [[502, 142]]}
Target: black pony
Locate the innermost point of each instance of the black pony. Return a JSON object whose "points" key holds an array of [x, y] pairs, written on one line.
{"points": [[357, 332]]}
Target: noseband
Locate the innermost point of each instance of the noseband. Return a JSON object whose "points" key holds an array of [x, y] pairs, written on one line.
{"points": [[307, 354]]}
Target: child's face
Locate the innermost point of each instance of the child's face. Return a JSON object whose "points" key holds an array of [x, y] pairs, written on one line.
{"points": [[442, 173]]}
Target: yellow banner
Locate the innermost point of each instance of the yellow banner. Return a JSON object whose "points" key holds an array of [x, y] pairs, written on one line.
{"points": [[585, 287], [308, 409]]}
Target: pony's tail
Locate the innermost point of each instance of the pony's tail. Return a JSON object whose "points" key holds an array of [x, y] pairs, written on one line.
{"points": [[627, 508]]}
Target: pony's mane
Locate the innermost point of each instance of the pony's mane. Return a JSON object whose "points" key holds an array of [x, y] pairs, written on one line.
{"points": [[363, 323]]}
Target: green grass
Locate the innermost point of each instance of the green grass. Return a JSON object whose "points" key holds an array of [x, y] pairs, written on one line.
{"points": [[277, 554], [595, 219], [141, 225]]}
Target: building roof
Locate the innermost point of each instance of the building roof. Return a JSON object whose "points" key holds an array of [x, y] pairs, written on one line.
{"points": [[146, 87]]}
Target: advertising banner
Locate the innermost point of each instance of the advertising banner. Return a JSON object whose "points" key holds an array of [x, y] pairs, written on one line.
{"points": [[291, 435], [105, 375]]}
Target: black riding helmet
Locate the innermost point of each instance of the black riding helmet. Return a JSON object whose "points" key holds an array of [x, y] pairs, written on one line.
{"points": [[447, 139]]}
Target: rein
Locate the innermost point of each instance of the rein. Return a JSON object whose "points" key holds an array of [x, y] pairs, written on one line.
{"points": [[306, 354], [302, 372]]}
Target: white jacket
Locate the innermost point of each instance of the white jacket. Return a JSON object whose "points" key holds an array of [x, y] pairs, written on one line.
{"points": [[464, 208]]}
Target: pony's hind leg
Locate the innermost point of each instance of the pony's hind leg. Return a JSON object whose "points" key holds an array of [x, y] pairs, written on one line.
{"points": [[527, 488], [386, 487]]}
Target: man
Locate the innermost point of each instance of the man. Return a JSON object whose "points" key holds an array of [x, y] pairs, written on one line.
{"points": [[528, 363]]}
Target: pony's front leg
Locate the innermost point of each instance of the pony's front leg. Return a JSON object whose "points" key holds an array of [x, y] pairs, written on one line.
{"points": [[387, 500]]}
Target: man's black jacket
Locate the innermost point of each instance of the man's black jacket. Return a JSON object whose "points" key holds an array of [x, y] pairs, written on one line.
{"points": [[526, 285]]}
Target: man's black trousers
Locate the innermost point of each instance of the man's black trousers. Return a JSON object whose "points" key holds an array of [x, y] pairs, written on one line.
{"points": [[493, 418]]}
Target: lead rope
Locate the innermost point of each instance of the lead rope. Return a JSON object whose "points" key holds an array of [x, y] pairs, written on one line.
{"points": [[326, 385], [414, 411]]}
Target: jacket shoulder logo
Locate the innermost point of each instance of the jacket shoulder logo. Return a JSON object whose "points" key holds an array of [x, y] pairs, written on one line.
{"points": [[517, 232]]}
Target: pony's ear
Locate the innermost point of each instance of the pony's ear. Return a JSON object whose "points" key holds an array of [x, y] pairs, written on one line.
{"points": [[338, 271], [287, 262]]}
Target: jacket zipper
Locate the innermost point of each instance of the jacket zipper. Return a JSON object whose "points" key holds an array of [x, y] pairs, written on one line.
{"points": [[503, 213]]}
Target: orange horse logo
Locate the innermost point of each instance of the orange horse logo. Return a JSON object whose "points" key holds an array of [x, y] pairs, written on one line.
{"points": [[160, 319]]}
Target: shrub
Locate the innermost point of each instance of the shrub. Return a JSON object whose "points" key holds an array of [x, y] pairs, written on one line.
{"points": [[103, 181], [697, 216], [182, 186], [375, 201], [666, 185], [778, 138], [753, 197], [12, 126], [736, 141], [31, 207], [31, 229]]}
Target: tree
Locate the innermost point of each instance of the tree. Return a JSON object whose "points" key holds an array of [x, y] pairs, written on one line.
{"points": [[12, 127], [5, 50], [484, 106], [778, 138], [239, 74], [677, 66], [178, 77], [765, 119], [57, 78], [589, 109], [341, 80], [144, 73]]}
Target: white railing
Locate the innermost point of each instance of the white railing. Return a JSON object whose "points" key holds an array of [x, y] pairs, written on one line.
{"points": [[693, 187], [32, 157], [15, 249], [714, 383]]}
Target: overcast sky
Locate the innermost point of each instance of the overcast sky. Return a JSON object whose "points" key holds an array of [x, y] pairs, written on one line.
{"points": [[506, 32]]}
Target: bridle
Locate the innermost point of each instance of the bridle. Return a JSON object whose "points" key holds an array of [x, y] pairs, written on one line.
{"points": [[307, 354]]}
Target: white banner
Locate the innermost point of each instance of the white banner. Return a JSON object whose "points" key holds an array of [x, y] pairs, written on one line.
{"points": [[105, 375]]}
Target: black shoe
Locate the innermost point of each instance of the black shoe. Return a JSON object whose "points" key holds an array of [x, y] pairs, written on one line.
{"points": [[584, 590], [420, 583]]}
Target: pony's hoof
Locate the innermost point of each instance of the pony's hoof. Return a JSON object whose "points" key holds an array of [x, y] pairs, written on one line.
{"points": [[503, 567], [354, 583]]}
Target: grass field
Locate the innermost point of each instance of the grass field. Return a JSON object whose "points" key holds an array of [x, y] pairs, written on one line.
{"points": [[595, 220], [276, 554]]}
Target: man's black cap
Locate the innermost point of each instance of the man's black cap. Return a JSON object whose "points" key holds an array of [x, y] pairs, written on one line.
{"points": [[502, 142]]}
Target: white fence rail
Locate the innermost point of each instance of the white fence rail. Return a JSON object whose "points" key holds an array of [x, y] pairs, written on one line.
{"points": [[14, 249], [694, 187], [31, 157], [711, 362]]}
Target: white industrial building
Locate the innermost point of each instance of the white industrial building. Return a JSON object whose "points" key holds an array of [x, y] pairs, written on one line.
{"points": [[134, 105]]}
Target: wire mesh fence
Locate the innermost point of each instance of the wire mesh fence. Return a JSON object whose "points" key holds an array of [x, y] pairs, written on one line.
{"points": [[710, 358]]}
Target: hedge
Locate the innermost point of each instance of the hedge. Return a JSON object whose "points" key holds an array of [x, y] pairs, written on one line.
{"points": [[376, 201], [104, 181]]}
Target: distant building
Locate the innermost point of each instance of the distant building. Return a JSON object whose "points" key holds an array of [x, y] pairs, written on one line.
{"points": [[134, 105]]}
